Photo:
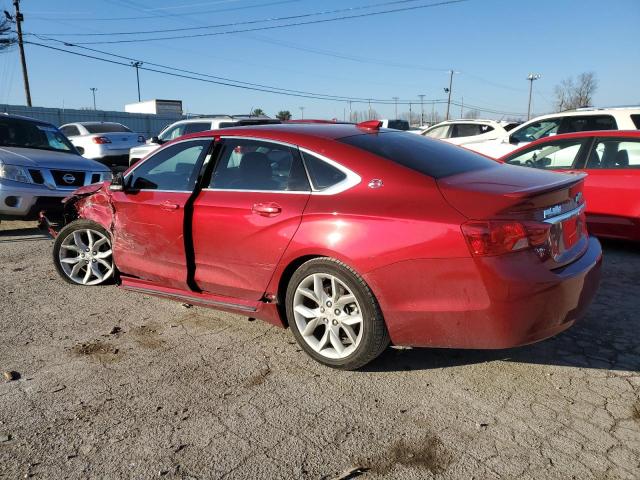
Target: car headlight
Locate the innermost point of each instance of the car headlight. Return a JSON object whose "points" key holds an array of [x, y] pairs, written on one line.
{"points": [[15, 173]]}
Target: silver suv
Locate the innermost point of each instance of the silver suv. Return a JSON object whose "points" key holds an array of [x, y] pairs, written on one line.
{"points": [[39, 167]]}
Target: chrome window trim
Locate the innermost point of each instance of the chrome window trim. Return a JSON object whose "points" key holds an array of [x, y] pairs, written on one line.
{"points": [[564, 216], [125, 178], [352, 179]]}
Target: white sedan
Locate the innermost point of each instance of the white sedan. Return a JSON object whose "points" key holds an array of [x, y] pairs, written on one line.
{"points": [[106, 142]]}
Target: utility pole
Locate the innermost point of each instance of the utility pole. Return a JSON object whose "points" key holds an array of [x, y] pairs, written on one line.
{"points": [[462, 108], [410, 113], [25, 75], [421, 109], [93, 91], [350, 114], [302, 113], [395, 99], [137, 65], [369, 110], [531, 78], [448, 90]]}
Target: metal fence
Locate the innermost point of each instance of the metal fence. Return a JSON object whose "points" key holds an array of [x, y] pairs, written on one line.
{"points": [[146, 124]]}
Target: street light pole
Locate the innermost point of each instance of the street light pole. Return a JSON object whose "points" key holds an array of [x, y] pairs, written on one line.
{"points": [[301, 113], [93, 91], [137, 65], [421, 109], [19, 19], [531, 77], [369, 110], [395, 99]]}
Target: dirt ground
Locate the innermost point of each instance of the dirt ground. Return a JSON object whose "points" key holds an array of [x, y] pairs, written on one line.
{"points": [[112, 384]]}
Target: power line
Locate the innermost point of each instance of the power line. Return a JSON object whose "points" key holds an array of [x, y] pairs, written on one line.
{"points": [[47, 15], [188, 74], [273, 27], [234, 24]]}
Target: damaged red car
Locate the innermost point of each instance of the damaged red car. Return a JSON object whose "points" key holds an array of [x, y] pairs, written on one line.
{"points": [[351, 235]]}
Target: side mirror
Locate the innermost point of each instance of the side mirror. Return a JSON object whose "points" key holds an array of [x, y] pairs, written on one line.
{"points": [[156, 140], [80, 150], [512, 140], [117, 183]]}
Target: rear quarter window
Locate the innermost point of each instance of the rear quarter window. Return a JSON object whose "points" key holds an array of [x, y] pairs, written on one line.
{"points": [[636, 121], [431, 157]]}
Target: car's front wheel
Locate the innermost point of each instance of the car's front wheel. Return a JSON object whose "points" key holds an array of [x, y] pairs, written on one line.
{"points": [[82, 253], [334, 315]]}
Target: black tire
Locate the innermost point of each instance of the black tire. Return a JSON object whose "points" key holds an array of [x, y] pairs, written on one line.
{"points": [[375, 337], [80, 224]]}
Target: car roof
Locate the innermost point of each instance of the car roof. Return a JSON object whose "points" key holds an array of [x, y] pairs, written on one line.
{"points": [[292, 132], [22, 117], [574, 135], [466, 120], [95, 123]]}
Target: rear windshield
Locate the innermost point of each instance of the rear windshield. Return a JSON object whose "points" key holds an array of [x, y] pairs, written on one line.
{"points": [[105, 127], [432, 157]]}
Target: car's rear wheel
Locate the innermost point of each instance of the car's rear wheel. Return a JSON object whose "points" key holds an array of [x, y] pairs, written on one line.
{"points": [[334, 315], [82, 253]]}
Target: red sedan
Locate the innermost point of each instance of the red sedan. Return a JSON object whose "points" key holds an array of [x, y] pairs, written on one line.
{"points": [[351, 235], [612, 188]]}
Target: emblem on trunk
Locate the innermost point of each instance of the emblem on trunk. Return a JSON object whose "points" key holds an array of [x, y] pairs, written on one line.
{"points": [[68, 178], [552, 211]]}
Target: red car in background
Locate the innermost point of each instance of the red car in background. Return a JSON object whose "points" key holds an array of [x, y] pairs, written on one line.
{"points": [[352, 235], [612, 188]]}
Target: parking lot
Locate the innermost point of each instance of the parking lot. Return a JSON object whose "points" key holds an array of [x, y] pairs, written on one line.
{"points": [[113, 384]]}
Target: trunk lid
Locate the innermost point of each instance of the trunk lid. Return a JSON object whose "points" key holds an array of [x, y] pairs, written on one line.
{"points": [[119, 139], [548, 203]]}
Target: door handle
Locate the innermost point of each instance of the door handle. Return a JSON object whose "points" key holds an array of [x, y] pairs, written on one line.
{"points": [[169, 206], [266, 209]]}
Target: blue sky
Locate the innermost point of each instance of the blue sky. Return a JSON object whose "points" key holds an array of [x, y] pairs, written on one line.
{"points": [[494, 44]]}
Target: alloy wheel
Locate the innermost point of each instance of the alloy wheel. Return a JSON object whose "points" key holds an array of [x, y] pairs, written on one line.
{"points": [[85, 257], [328, 316]]}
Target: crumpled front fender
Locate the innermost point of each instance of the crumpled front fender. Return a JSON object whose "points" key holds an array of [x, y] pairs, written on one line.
{"points": [[92, 202]]}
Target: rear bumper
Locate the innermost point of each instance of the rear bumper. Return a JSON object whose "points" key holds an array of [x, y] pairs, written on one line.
{"points": [[494, 302]]}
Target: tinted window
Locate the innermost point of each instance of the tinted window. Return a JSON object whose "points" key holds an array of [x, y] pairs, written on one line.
{"points": [[437, 132], [398, 124], [510, 126], [172, 168], [105, 127], [534, 131], [615, 154], [70, 131], [636, 121], [322, 174], [196, 127], [255, 165], [550, 155], [436, 159], [27, 134], [587, 123], [469, 129]]}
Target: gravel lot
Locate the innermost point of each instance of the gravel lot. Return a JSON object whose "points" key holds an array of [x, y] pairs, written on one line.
{"points": [[115, 384]]}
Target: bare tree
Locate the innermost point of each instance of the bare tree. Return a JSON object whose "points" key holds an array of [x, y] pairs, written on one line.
{"points": [[7, 39], [472, 114], [570, 94]]}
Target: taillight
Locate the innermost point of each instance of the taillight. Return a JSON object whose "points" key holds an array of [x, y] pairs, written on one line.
{"points": [[496, 237], [140, 139], [100, 140]]}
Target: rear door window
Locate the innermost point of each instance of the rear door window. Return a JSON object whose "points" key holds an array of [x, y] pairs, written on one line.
{"points": [[587, 123], [435, 159], [536, 130], [615, 154], [469, 129], [438, 132], [196, 127], [258, 165], [555, 155], [70, 131]]}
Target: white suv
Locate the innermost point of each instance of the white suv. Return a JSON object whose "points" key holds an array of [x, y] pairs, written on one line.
{"points": [[461, 132], [582, 119], [193, 125]]}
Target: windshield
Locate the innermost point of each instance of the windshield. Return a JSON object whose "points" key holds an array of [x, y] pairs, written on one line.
{"points": [[28, 134], [105, 127]]}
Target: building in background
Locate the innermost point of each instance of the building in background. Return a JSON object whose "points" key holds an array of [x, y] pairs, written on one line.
{"points": [[156, 107]]}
